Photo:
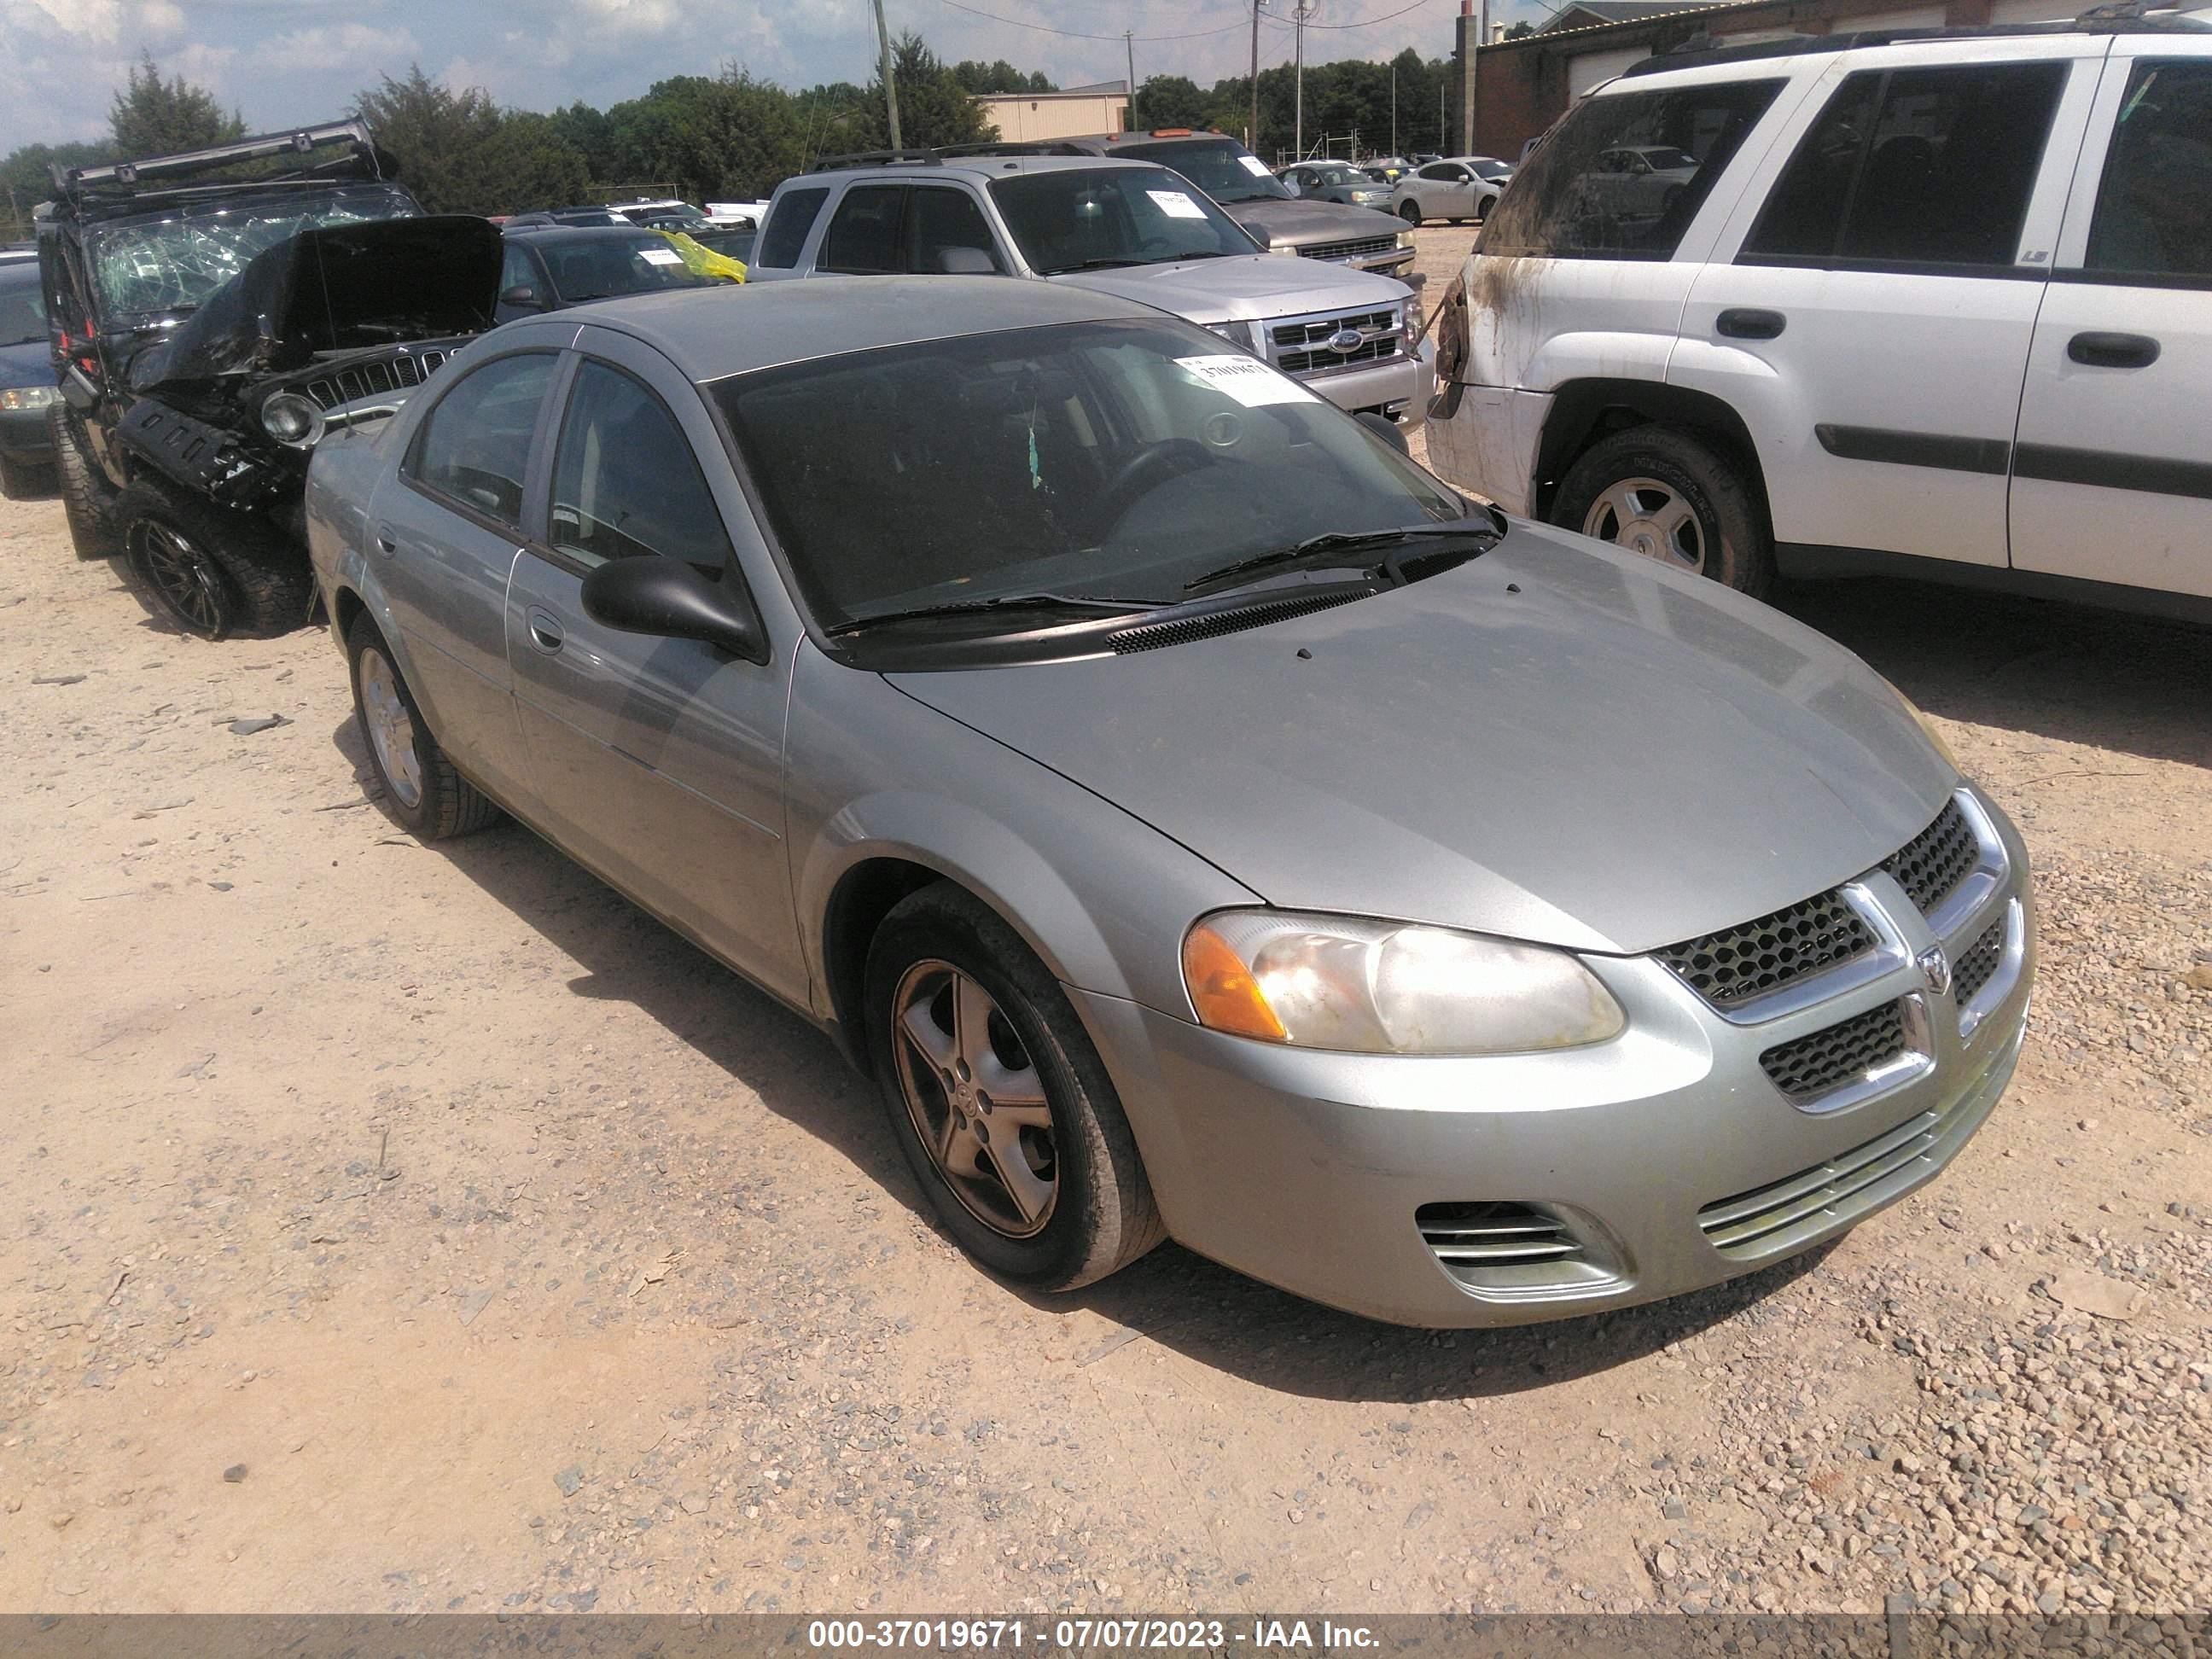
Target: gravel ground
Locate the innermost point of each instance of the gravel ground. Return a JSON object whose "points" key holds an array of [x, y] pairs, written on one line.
{"points": [[392, 1229]]}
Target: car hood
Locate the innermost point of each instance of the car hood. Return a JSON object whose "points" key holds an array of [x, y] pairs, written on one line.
{"points": [[1302, 222], [1611, 758], [338, 289], [1245, 286], [29, 364]]}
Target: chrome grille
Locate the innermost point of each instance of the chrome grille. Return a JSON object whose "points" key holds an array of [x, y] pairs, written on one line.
{"points": [[1741, 962], [1367, 247], [1299, 345], [1507, 1247], [1930, 867], [1807, 1068], [374, 377], [1775, 1219], [1977, 963]]}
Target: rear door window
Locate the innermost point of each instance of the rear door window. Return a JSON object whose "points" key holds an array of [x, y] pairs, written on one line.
{"points": [[1917, 167], [2154, 214], [1623, 174], [474, 448], [946, 232], [788, 222], [864, 236]]}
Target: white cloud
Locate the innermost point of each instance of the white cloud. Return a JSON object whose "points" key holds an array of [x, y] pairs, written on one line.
{"points": [[629, 17], [160, 20], [362, 52]]}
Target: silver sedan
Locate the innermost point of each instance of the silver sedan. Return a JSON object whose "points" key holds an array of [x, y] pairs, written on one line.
{"points": [[1198, 820]]}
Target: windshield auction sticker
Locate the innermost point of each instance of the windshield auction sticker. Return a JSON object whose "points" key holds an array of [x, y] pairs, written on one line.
{"points": [[1246, 379], [660, 256], [1254, 166], [1175, 204]]}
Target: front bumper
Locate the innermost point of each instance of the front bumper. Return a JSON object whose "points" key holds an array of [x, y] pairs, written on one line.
{"points": [[1667, 1159], [1399, 389], [25, 437]]}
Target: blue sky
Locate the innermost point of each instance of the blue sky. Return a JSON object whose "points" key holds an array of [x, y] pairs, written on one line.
{"points": [[282, 62]]}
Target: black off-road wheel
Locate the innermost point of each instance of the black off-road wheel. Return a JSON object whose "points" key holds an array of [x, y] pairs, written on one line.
{"points": [[999, 1100], [209, 572], [87, 500], [1675, 497], [22, 480], [421, 791]]}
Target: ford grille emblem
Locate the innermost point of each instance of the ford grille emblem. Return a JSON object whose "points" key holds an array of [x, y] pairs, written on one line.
{"points": [[1935, 968], [1346, 341]]}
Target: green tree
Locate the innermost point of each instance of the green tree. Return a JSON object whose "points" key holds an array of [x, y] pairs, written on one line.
{"points": [[934, 108], [998, 76], [1520, 31], [1171, 101], [152, 117], [724, 137], [27, 179], [459, 152]]}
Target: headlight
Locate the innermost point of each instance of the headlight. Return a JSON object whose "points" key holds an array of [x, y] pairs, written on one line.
{"points": [[1405, 239], [28, 397], [1238, 333], [292, 419], [1386, 987], [1928, 729]]}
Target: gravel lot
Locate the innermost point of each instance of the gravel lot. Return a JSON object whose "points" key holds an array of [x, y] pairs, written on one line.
{"points": [[400, 1228]]}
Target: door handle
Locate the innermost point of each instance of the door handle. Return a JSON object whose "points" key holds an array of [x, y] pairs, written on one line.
{"points": [[1739, 324], [2102, 350], [545, 632], [386, 542]]}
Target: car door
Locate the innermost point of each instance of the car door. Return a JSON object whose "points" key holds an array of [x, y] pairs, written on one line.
{"points": [[864, 238], [1867, 312], [659, 761], [447, 532], [2113, 469], [946, 233], [1442, 191]]}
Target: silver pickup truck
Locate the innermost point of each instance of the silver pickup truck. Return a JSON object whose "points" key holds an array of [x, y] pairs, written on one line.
{"points": [[1130, 229]]}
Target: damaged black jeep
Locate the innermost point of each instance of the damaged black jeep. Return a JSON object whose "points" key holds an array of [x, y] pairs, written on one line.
{"points": [[207, 310]]}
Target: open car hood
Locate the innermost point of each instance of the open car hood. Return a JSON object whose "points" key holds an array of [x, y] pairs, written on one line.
{"points": [[341, 287]]}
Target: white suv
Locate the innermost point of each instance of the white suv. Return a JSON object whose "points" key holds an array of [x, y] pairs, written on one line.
{"points": [[1938, 302]]}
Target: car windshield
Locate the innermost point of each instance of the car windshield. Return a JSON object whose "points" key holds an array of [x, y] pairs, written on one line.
{"points": [[1090, 218], [600, 267], [22, 310], [148, 268], [1667, 158], [1225, 170], [1088, 461], [1490, 169]]}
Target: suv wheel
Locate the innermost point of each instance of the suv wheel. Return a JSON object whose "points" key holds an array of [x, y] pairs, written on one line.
{"points": [[211, 572], [999, 1101], [1669, 495], [85, 495], [1410, 211]]}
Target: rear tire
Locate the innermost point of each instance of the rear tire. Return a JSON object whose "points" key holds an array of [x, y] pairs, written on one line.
{"points": [[207, 571], [1075, 1206], [22, 481], [1410, 211], [423, 792], [87, 500], [1672, 495]]}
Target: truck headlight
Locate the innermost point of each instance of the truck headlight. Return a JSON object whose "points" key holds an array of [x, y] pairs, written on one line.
{"points": [[291, 419], [1237, 332], [1405, 239], [28, 397], [1370, 986]]}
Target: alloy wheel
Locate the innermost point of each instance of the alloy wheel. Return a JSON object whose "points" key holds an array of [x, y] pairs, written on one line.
{"points": [[391, 729], [976, 1098], [1646, 517], [180, 574]]}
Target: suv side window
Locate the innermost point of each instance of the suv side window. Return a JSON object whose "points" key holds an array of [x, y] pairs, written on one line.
{"points": [[2154, 214], [1576, 198], [625, 482], [474, 446], [946, 232], [788, 222], [1914, 166], [864, 237], [515, 269]]}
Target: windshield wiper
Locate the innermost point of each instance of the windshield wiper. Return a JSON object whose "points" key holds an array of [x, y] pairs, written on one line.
{"points": [[1098, 602], [1340, 541], [1095, 264]]}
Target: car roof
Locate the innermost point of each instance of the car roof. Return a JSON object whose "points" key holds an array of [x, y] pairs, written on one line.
{"points": [[982, 168], [1692, 56], [577, 233], [712, 333]]}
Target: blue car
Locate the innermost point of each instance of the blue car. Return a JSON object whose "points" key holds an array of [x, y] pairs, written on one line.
{"points": [[27, 385]]}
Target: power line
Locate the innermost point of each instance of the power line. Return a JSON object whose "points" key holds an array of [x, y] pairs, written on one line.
{"points": [[1366, 22], [1077, 34]]}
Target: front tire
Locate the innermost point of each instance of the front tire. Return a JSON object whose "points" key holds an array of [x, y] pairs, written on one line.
{"points": [[211, 572], [1410, 211], [1675, 497], [86, 498], [423, 792], [999, 1100]]}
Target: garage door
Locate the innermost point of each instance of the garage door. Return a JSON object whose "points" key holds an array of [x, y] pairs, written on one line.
{"points": [[1596, 68]]}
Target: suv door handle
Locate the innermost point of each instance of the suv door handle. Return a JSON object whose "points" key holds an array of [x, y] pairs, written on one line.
{"points": [[1741, 325], [2100, 350], [545, 632]]}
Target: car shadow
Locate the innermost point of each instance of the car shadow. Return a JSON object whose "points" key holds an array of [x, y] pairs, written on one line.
{"points": [[2065, 672], [1173, 1297]]}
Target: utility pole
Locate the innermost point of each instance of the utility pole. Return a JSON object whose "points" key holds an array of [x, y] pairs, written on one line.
{"points": [[890, 90], [1129, 46], [1442, 147], [1303, 10], [1252, 130], [1394, 109]]}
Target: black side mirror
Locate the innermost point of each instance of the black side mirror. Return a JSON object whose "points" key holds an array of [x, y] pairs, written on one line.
{"points": [[669, 598], [521, 294], [1385, 428]]}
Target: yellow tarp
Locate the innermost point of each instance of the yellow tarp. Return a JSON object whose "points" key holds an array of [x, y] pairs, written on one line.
{"points": [[705, 260]]}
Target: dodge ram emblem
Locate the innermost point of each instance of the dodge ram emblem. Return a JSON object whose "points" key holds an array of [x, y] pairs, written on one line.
{"points": [[1345, 341], [1935, 968]]}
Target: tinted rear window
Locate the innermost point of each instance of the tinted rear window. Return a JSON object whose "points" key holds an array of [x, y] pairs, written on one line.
{"points": [[1623, 175], [788, 222]]}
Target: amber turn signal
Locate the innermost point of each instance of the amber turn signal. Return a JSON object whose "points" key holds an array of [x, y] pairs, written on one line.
{"points": [[1223, 991]]}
